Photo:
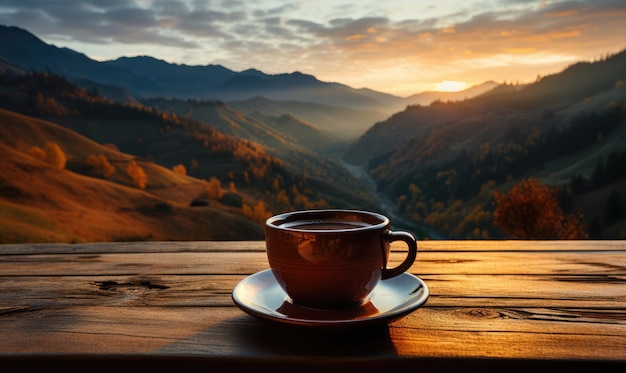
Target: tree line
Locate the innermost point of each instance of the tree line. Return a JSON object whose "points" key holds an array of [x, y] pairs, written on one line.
{"points": [[455, 198]]}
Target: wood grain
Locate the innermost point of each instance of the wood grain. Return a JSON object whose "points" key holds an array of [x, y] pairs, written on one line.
{"points": [[492, 306]]}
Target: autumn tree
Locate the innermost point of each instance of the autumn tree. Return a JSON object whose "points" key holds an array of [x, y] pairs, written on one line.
{"points": [[49, 106], [51, 154], [214, 189], [258, 213], [100, 165], [530, 210], [37, 153], [180, 169], [55, 156], [134, 170]]}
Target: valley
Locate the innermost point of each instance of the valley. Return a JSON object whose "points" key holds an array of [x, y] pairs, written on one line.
{"points": [[228, 149]]}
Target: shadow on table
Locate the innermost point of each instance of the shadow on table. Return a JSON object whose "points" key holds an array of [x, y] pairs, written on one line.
{"points": [[248, 337]]}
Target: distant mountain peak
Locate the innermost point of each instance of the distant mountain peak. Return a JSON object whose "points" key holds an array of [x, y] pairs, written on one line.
{"points": [[253, 72], [143, 58], [299, 73]]}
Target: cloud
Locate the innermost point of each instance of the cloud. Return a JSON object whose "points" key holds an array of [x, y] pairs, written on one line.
{"points": [[547, 36], [368, 42], [272, 12], [532, 26], [558, 27]]}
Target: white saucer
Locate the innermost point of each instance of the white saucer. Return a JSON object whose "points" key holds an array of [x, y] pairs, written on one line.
{"points": [[260, 296]]}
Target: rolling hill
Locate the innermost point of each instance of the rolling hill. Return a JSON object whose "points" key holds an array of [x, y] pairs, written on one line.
{"points": [[41, 203], [441, 162], [275, 132], [301, 147], [249, 177]]}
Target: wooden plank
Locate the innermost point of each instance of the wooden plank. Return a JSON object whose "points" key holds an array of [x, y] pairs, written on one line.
{"points": [[226, 332], [575, 292], [245, 246], [608, 263], [133, 247], [557, 263], [522, 245]]}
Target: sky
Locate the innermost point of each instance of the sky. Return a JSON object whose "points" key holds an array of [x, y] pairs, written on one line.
{"points": [[401, 47]]}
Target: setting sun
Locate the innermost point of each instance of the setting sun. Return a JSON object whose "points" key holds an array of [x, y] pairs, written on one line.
{"points": [[451, 86]]}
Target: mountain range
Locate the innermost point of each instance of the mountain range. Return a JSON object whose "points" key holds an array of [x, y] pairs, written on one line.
{"points": [[145, 77], [431, 160]]}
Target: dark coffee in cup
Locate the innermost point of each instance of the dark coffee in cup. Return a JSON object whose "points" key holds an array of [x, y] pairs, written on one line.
{"points": [[320, 225]]}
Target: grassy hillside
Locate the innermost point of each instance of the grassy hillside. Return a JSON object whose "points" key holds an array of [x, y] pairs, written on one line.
{"points": [[301, 148], [277, 133], [249, 184], [41, 203]]}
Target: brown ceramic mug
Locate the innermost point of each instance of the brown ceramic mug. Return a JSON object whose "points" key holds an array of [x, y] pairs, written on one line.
{"points": [[332, 258]]}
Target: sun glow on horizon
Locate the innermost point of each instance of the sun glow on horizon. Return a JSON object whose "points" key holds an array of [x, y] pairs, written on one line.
{"points": [[451, 86]]}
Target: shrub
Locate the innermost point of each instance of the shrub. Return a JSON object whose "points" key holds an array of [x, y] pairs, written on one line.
{"points": [[180, 169], [51, 154], [214, 189], [258, 213], [134, 170], [100, 165]]}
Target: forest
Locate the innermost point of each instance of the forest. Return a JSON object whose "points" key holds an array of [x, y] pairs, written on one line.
{"points": [[456, 197]]}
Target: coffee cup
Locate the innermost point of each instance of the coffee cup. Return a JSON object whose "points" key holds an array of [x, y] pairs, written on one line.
{"points": [[332, 258]]}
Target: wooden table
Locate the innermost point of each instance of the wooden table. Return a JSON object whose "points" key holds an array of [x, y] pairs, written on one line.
{"points": [[493, 305]]}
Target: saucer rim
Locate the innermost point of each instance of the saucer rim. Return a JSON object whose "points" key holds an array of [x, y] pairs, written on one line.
{"points": [[387, 316]]}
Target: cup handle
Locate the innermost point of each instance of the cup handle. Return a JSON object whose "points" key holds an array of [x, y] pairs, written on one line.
{"points": [[411, 242]]}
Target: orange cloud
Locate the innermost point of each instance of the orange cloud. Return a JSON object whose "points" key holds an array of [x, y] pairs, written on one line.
{"points": [[564, 34], [448, 30], [520, 50], [563, 13], [356, 37]]}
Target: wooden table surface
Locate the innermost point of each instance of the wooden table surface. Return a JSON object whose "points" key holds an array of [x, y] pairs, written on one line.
{"points": [[493, 305]]}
